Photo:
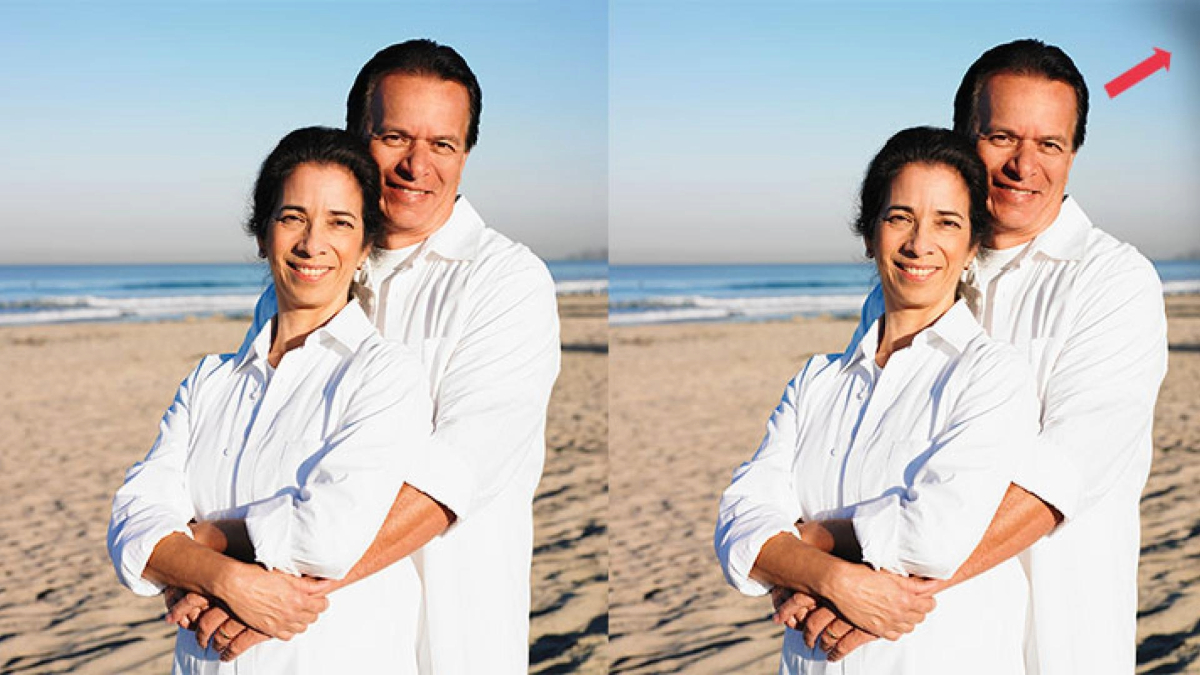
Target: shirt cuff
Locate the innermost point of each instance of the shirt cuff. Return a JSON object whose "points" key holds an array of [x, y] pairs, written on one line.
{"points": [[135, 555], [1051, 475], [740, 548], [269, 526], [876, 526], [440, 474]]}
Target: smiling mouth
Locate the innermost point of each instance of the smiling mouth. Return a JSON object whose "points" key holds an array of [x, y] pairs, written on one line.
{"points": [[1015, 191], [408, 190], [308, 272], [918, 273]]}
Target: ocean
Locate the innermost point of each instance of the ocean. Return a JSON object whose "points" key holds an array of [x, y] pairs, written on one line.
{"points": [[40, 294], [644, 294]]}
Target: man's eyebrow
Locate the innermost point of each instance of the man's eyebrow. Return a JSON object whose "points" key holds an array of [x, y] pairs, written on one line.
{"points": [[350, 214], [950, 213]]}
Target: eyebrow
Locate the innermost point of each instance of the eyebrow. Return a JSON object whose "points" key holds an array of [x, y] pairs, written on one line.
{"points": [[384, 129], [996, 128], [349, 214], [909, 209]]}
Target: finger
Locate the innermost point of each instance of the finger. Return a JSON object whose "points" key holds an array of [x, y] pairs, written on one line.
{"points": [[225, 634], [779, 595], [849, 642], [186, 610], [835, 631], [244, 640], [793, 611], [207, 625], [815, 623]]}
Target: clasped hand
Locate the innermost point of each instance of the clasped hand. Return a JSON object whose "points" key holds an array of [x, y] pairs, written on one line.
{"points": [[260, 605], [867, 605]]}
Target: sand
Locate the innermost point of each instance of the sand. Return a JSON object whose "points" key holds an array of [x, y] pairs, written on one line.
{"points": [[79, 403], [688, 404]]}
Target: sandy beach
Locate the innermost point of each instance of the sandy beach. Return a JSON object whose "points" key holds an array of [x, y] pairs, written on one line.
{"points": [[79, 403], [688, 404]]}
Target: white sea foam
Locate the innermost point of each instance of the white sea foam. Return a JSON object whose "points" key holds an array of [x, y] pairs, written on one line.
{"points": [[669, 309], [93, 308], [581, 286], [1178, 287]]}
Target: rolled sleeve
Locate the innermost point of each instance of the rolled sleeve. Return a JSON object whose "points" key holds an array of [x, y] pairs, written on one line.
{"points": [[154, 501], [760, 501], [323, 527], [490, 419], [1098, 401], [931, 524]]}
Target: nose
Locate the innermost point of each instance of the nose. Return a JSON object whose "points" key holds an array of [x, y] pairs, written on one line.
{"points": [[1022, 163], [414, 163], [920, 240], [311, 243]]}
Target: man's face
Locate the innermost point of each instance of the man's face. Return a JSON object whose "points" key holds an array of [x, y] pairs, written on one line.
{"points": [[1026, 127], [418, 139]]}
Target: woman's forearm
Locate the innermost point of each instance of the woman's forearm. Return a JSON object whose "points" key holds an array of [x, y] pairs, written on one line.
{"points": [[188, 564], [787, 561]]}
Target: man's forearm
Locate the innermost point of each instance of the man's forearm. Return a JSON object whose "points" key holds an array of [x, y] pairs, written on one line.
{"points": [[414, 519], [1021, 519]]}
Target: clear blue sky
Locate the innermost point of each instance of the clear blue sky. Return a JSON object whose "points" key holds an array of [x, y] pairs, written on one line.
{"points": [[133, 131], [739, 131]]}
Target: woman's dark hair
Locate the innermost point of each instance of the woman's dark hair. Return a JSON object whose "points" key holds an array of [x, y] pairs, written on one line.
{"points": [[317, 145], [1019, 57], [931, 146], [414, 57]]}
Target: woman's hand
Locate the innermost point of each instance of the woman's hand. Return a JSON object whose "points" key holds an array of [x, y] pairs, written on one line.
{"points": [[879, 602], [276, 604]]}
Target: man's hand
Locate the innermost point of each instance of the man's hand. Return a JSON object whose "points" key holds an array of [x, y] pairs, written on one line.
{"points": [[836, 636]]}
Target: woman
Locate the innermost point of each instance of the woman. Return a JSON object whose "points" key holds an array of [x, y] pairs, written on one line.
{"points": [[289, 453], [898, 451]]}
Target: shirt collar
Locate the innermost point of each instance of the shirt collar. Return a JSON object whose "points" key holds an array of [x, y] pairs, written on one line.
{"points": [[1066, 238], [956, 328], [348, 328], [457, 239]]}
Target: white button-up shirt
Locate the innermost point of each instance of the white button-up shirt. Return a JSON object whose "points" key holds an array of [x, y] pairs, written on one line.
{"points": [[919, 455], [481, 312], [311, 456], [1087, 313]]}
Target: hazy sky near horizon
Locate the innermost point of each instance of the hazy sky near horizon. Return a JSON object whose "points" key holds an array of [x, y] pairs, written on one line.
{"points": [[739, 133], [132, 131]]}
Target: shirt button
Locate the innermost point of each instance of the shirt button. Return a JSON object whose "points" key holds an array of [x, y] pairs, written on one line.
{"points": [[254, 395], [832, 451], [225, 452]]}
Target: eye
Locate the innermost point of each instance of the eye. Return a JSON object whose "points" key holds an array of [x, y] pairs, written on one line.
{"points": [[444, 147], [342, 222], [1001, 139], [898, 219], [1052, 147], [392, 139], [951, 223], [290, 219]]}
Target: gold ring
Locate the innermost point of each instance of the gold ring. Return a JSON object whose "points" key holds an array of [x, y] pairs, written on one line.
{"points": [[224, 635]]}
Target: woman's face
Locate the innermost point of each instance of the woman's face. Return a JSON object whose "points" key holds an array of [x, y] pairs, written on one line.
{"points": [[315, 239], [923, 239]]}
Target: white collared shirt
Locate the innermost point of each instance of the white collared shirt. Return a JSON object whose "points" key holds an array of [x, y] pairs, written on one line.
{"points": [[312, 461], [1086, 311], [481, 311], [919, 457]]}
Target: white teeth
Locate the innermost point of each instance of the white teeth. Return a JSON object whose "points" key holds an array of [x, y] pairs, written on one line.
{"points": [[1018, 191], [310, 271], [921, 272], [412, 192]]}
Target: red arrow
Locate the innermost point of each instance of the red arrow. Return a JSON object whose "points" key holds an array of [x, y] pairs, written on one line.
{"points": [[1161, 59]]}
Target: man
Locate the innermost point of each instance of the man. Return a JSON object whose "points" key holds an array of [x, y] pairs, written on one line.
{"points": [[1087, 312], [481, 313]]}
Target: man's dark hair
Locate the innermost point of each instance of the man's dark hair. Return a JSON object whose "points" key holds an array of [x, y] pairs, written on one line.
{"points": [[1020, 57], [929, 146], [414, 57], [323, 146]]}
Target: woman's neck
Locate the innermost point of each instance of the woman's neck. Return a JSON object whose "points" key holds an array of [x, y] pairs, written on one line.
{"points": [[897, 328], [293, 326]]}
